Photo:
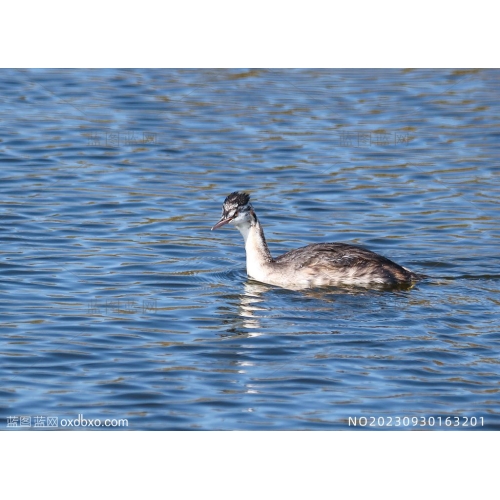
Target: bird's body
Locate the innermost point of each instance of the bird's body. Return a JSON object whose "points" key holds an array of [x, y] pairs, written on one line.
{"points": [[319, 264]]}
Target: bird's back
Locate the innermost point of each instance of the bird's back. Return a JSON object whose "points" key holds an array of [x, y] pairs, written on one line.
{"points": [[330, 263]]}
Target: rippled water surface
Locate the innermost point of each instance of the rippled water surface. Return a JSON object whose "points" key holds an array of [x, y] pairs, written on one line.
{"points": [[118, 302]]}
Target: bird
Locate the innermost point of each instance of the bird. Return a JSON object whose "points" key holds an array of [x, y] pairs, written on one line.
{"points": [[315, 265]]}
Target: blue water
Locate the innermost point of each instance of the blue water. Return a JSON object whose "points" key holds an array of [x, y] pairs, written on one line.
{"points": [[118, 302]]}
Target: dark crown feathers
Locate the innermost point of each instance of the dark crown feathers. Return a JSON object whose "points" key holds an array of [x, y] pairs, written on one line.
{"points": [[240, 199]]}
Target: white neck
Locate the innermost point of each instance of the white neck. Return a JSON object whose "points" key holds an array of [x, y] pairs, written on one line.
{"points": [[258, 255]]}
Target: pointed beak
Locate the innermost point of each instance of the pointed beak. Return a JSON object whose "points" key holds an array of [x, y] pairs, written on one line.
{"points": [[221, 223]]}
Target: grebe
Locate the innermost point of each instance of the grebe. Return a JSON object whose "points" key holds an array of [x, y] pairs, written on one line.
{"points": [[318, 264]]}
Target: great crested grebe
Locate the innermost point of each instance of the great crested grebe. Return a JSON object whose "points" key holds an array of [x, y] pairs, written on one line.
{"points": [[318, 264]]}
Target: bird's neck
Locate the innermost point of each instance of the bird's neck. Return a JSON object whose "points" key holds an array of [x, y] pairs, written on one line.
{"points": [[258, 254]]}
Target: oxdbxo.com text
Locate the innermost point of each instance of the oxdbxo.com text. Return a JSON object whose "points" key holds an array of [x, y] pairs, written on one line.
{"points": [[96, 422]]}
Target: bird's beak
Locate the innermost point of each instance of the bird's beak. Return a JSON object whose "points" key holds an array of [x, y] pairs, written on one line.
{"points": [[221, 223]]}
